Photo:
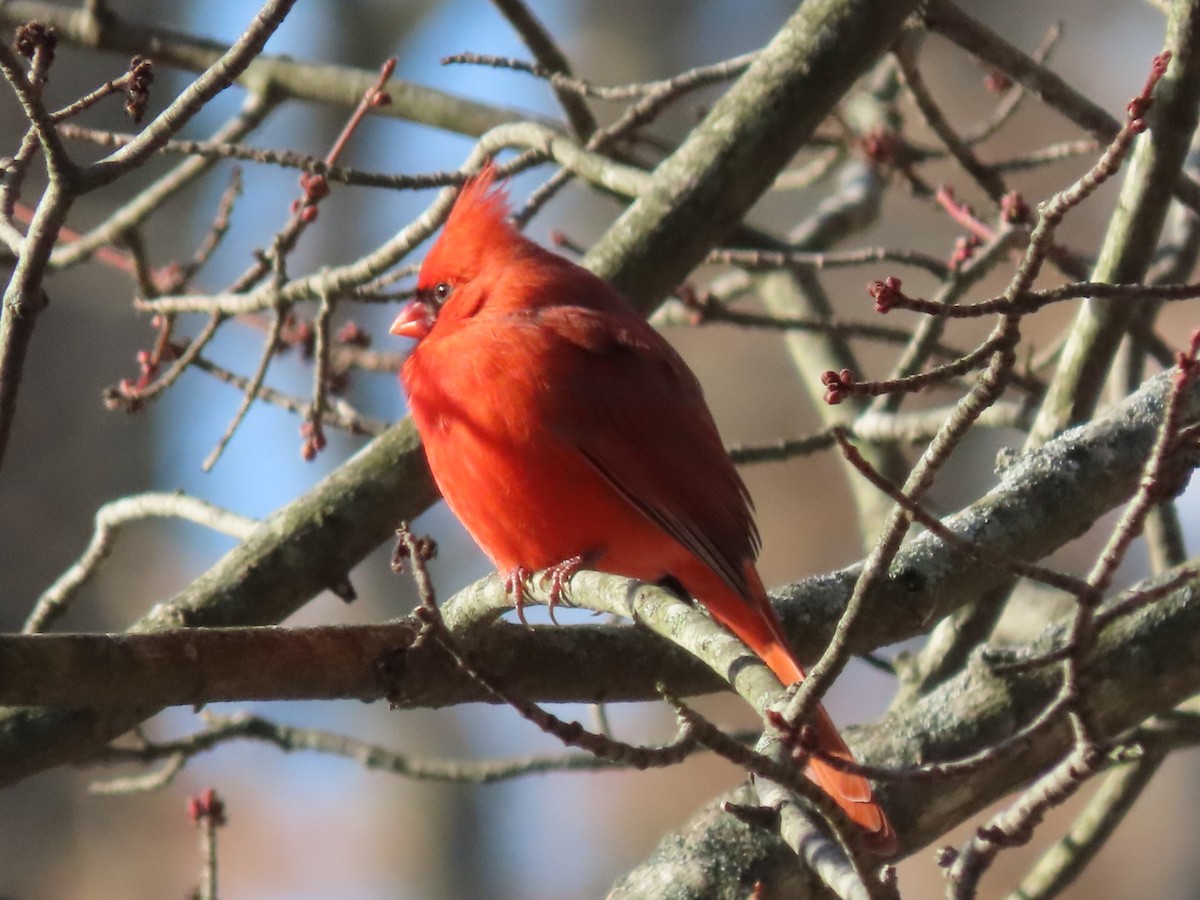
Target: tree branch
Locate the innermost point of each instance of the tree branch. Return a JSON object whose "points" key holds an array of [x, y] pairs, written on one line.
{"points": [[1138, 670], [268, 74], [703, 189], [1043, 500]]}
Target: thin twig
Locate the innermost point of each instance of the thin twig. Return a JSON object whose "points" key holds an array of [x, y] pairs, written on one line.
{"points": [[985, 176], [110, 521], [552, 59], [220, 730], [253, 384]]}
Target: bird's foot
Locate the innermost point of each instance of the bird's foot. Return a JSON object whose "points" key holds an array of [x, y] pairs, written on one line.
{"points": [[514, 585], [559, 574]]}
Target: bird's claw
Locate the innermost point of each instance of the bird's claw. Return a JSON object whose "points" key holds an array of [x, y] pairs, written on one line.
{"points": [[514, 584], [559, 574]]}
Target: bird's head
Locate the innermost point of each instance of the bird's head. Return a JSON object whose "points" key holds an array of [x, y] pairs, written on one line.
{"points": [[477, 236]]}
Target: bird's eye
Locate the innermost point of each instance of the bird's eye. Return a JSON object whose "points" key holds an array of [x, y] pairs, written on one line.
{"points": [[441, 292]]}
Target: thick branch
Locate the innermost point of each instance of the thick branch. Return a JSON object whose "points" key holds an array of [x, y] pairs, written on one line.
{"points": [[705, 187]]}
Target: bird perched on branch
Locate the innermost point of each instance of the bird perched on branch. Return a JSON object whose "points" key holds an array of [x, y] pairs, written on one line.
{"points": [[565, 432]]}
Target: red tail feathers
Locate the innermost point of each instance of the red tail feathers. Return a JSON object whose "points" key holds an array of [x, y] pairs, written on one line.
{"points": [[760, 631]]}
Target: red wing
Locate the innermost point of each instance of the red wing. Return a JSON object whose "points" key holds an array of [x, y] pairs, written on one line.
{"points": [[637, 414]]}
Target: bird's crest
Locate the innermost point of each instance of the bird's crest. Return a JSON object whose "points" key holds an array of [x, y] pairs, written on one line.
{"points": [[477, 230], [482, 204]]}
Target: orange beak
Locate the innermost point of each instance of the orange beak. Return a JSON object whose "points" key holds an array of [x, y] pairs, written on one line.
{"points": [[415, 320]]}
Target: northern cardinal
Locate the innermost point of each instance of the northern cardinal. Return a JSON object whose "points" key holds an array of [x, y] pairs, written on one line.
{"points": [[564, 431]]}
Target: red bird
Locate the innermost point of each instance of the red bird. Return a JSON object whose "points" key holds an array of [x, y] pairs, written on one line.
{"points": [[564, 431]]}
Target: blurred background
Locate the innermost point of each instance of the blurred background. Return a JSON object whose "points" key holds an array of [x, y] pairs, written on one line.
{"points": [[306, 826]]}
